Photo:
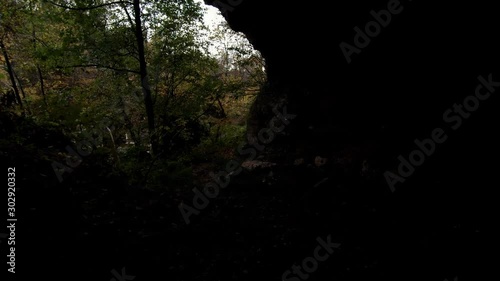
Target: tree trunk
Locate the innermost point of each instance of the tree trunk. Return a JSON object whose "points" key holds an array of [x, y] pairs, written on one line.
{"points": [[42, 87], [135, 137], [11, 75], [22, 91], [40, 76], [148, 102]]}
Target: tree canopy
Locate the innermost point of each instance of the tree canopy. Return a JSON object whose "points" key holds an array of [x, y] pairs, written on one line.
{"points": [[151, 67]]}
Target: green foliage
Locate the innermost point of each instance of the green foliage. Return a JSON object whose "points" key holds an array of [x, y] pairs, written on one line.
{"points": [[79, 65]]}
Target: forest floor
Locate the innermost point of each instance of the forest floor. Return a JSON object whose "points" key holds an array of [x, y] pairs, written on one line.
{"points": [[94, 225]]}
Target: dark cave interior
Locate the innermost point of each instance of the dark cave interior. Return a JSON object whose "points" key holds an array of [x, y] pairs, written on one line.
{"points": [[330, 167]]}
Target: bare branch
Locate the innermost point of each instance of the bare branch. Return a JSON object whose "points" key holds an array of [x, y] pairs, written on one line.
{"points": [[100, 66], [89, 7]]}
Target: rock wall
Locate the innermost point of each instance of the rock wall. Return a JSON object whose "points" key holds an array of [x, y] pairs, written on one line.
{"points": [[404, 64]]}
